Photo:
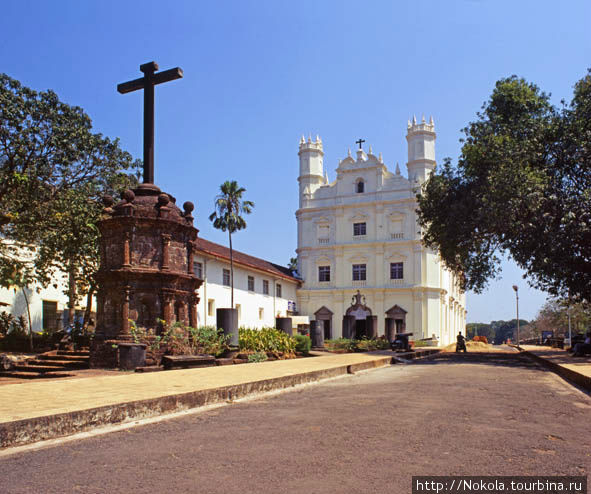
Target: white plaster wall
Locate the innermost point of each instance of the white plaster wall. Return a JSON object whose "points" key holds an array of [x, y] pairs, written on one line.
{"points": [[250, 302], [36, 295]]}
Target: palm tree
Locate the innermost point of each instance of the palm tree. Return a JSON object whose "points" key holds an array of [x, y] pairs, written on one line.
{"points": [[226, 217]]}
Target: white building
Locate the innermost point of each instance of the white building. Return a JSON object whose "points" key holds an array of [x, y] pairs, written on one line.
{"points": [[45, 305], [262, 290], [360, 232]]}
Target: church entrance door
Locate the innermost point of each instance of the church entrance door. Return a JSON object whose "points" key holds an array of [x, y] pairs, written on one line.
{"points": [[360, 311]]}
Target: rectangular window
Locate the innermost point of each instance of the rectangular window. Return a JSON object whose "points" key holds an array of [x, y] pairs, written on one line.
{"points": [[49, 314], [359, 272], [359, 229], [396, 272], [261, 313], [211, 307], [226, 277], [251, 283], [198, 270], [278, 290], [323, 273], [265, 287]]}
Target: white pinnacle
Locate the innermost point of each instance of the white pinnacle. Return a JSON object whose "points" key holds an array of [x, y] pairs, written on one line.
{"points": [[370, 149], [414, 119], [397, 169], [431, 121]]}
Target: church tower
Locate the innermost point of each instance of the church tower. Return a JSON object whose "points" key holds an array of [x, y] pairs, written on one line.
{"points": [[421, 150], [311, 170]]}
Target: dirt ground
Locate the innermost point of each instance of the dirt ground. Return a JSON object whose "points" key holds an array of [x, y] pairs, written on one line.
{"points": [[493, 414]]}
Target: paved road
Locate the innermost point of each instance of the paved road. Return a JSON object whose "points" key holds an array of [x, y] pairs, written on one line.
{"points": [[367, 433]]}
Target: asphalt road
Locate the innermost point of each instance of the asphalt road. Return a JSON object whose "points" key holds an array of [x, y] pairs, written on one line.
{"points": [[367, 433]]}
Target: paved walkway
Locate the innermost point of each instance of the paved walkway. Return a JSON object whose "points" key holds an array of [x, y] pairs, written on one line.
{"points": [[38, 410], [577, 369]]}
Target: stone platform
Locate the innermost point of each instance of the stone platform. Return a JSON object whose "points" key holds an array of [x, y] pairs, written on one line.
{"points": [[574, 369], [36, 411]]}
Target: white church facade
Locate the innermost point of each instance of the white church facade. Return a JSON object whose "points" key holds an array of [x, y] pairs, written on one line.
{"points": [[359, 247]]}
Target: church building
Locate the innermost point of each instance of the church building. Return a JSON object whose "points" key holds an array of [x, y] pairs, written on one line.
{"points": [[365, 271]]}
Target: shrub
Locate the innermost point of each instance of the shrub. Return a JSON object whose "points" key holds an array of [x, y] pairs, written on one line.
{"points": [[178, 339], [341, 344], [303, 344], [265, 340], [257, 357], [419, 343]]}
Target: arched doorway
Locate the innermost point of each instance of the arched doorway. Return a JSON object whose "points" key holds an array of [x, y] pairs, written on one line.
{"points": [[361, 312], [325, 315]]}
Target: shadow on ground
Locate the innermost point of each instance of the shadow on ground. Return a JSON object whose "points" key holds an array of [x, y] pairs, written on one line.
{"points": [[483, 358]]}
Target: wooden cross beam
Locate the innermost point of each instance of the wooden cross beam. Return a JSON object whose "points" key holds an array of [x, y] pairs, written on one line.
{"points": [[360, 142], [147, 83]]}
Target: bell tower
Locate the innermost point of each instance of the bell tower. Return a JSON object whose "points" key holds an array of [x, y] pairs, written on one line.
{"points": [[311, 170], [421, 149]]}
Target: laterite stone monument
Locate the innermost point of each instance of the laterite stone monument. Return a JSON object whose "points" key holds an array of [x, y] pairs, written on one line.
{"points": [[146, 248]]}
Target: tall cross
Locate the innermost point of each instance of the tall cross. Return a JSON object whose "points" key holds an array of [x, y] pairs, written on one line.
{"points": [[147, 83], [360, 142]]}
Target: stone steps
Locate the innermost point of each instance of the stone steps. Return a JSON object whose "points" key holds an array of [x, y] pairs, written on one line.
{"points": [[32, 375], [63, 358], [50, 364]]}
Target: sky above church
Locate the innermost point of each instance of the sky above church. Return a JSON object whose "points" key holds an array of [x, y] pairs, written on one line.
{"points": [[259, 74]]}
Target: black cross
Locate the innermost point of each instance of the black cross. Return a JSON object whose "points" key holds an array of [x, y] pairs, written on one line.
{"points": [[360, 142], [147, 83]]}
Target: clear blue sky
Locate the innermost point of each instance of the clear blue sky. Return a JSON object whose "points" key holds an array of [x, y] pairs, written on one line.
{"points": [[259, 74]]}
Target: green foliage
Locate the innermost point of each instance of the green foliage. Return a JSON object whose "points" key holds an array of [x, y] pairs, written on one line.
{"points": [[227, 217], [257, 357], [497, 331], [178, 339], [53, 170], [340, 345], [303, 343], [265, 340], [420, 343], [522, 185], [553, 316]]}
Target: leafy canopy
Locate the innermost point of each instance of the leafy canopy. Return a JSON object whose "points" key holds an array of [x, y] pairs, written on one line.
{"points": [[522, 185], [53, 170]]}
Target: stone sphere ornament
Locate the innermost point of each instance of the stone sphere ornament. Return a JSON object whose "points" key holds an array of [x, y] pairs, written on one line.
{"points": [[163, 200], [128, 195]]}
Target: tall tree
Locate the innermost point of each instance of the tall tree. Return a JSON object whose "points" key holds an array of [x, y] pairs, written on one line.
{"points": [[522, 185], [227, 217], [52, 169]]}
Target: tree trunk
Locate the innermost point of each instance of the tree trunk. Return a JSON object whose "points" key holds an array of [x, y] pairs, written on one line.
{"points": [[88, 310], [29, 314], [231, 272], [71, 297]]}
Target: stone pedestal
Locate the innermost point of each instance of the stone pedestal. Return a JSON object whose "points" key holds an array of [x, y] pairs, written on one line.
{"points": [[348, 326], [371, 327], [146, 272], [317, 334], [390, 328], [227, 320], [284, 324]]}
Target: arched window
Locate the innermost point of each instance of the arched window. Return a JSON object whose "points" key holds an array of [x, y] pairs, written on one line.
{"points": [[360, 187]]}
